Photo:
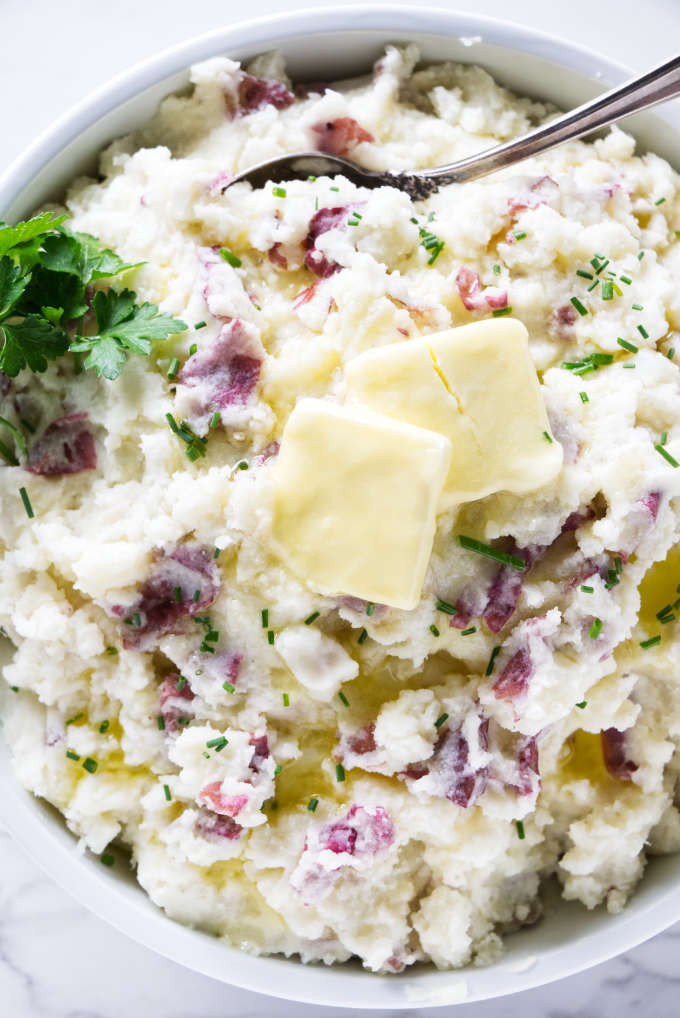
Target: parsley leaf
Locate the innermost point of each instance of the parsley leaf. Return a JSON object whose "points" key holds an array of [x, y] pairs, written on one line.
{"points": [[81, 255], [13, 236], [122, 326], [32, 341], [12, 284]]}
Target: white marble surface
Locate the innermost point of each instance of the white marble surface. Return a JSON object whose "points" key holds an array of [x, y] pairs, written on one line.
{"points": [[56, 960]]}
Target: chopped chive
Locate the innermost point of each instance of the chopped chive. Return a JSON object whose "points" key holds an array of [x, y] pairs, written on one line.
{"points": [[496, 270], [181, 683], [643, 332], [242, 465], [71, 755], [90, 765], [111, 651], [160, 721], [637, 307], [582, 704], [104, 727], [228, 687], [629, 366], [136, 620], [279, 192], [492, 661], [167, 792], [664, 437], [363, 635], [194, 347], [27, 503], [469, 631], [626, 279], [444, 606], [230, 257], [440, 720], [200, 325], [370, 608], [593, 285], [485, 549], [583, 274], [76, 717], [671, 353], [173, 423], [547, 437], [641, 256], [434, 630], [183, 722], [312, 804], [286, 700], [178, 594], [215, 419], [519, 234], [660, 201], [607, 289], [265, 618], [668, 618], [520, 829], [270, 637], [600, 267], [667, 456], [584, 397], [339, 772], [631, 347], [217, 744], [664, 611], [334, 189], [107, 859], [595, 629], [586, 589], [618, 564], [501, 312], [174, 367], [343, 698], [277, 770], [312, 618], [651, 642], [579, 306]]}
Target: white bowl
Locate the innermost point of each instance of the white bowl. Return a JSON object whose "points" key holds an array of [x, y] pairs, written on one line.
{"points": [[330, 44]]}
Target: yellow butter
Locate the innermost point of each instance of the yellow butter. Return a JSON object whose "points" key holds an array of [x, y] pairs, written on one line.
{"points": [[354, 501], [477, 386]]}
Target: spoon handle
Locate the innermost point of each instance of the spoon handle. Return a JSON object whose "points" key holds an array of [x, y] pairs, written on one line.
{"points": [[638, 94]]}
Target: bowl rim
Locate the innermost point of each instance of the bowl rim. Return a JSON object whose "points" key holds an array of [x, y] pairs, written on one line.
{"points": [[52, 847]]}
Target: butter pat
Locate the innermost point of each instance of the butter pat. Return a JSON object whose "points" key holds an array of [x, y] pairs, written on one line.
{"points": [[354, 502], [477, 386]]}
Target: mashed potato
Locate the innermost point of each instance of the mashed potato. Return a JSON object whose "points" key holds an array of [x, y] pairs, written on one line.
{"points": [[271, 756]]}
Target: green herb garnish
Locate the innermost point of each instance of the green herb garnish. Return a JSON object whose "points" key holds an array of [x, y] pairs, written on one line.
{"points": [[440, 720], [492, 661], [652, 642], [312, 618], [339, 772], [595, 629], [230, 257], [312, 804], [27, 503], [631, 347], [90, 765], [493, 553]]}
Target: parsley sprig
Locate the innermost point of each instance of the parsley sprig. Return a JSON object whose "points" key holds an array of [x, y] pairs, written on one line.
{"points": [[46, 302]]}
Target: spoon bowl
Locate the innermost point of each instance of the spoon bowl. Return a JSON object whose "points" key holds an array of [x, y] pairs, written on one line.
{"points": [[640, 93]]}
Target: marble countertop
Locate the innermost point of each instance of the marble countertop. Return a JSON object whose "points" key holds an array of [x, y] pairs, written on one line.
{"points": [[57, 960]]}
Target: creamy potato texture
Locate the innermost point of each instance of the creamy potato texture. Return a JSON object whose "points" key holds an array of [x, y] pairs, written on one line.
{"points": [[272, 755]]}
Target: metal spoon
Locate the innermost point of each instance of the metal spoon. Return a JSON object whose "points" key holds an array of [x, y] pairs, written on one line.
{"points": [[638, 94]]}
